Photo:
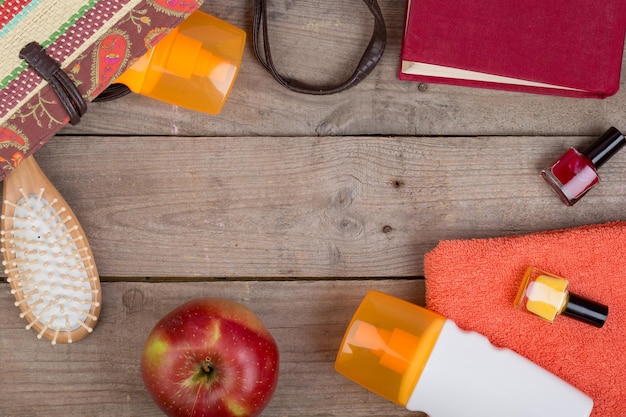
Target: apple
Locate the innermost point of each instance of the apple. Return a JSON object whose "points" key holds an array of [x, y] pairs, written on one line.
{"points": [[210, 357]]}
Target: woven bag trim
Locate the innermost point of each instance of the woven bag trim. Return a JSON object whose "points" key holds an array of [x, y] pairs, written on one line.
{"points": [[65, 42]]}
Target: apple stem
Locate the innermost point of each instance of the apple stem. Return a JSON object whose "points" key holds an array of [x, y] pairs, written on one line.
{"points": [[206, 366]]}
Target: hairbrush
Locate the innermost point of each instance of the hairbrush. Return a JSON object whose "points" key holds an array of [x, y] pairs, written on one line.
{"points": [[47, 258]]}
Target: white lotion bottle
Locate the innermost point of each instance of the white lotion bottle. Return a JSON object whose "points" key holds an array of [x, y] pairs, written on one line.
{"points": [[424, 362]]}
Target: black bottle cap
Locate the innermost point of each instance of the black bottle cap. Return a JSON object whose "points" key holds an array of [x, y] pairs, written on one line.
{"points": [[586, 310], [605, 147]]}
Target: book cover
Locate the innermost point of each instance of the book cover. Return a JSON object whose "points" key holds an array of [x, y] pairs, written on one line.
{"points": [[559, 47]]}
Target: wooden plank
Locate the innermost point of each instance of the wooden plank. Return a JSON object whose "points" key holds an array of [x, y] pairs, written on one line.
{"points": [[308, 207], [320, 41], [100, 375], [281, 185]]}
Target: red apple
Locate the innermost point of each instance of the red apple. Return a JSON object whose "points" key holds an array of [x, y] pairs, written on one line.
{"points": [[210, 357]]}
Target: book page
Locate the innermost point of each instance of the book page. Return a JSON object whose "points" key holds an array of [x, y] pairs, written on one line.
{"points": [[430, 70]]}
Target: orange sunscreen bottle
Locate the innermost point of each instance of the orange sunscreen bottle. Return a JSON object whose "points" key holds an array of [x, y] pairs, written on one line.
{"points": [[547, 296], [194, 66], [424, 362]]}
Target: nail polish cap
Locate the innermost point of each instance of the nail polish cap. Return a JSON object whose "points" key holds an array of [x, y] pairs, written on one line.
{"points": [[586, 310], [605, 147]]}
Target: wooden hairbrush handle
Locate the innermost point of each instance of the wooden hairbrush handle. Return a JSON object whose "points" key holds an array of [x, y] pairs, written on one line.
{"points": [[47, 258]]}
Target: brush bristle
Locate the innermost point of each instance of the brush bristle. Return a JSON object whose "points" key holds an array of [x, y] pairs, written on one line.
{"points": [[51, 274]]}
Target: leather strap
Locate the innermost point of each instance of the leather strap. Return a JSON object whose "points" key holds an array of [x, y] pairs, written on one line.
{"points": [[370, 58], [112, 92], [51, 71]]}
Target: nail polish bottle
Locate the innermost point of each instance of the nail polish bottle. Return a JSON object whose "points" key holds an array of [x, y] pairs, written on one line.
{"points": [[422, 361], [547, 296], [575, 173]]}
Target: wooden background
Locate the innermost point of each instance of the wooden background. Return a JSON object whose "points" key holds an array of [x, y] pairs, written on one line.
{"points": [[294, 205]]}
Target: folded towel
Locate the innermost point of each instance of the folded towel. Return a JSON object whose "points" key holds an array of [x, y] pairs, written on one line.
{"points": [[474, 283]]}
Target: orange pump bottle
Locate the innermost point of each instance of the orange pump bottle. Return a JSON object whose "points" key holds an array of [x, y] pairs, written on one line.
{"points": [[424, 362], [194, 66]]}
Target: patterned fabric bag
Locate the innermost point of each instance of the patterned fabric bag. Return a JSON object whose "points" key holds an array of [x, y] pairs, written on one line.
{"points": [[87, 42]]}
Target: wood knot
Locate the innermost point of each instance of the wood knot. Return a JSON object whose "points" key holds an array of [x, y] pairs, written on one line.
{"points": [[387, 229], [350, 226], [133, 300], [343, 198]]}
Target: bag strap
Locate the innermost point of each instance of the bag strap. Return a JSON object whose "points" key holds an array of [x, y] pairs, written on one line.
{"points": [[51, 71], [370, 58]]}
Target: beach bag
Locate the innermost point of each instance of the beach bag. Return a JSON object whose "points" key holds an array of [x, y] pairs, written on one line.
{"points": [[58, 55]]}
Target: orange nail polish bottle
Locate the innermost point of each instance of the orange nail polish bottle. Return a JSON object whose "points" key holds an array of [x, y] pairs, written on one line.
{"points": [[547, 296]]}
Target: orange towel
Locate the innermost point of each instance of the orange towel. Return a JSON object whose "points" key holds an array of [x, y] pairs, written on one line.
{"points": [[474, 283]]}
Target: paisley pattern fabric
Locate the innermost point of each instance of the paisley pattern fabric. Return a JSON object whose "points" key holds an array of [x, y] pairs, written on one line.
{"points": [[92, 40]]}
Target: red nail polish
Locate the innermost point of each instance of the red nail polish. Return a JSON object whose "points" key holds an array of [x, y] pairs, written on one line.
{"points": [[575, 173]]}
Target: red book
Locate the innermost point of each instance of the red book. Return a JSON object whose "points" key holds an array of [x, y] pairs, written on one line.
{"points": [[560, 47]]}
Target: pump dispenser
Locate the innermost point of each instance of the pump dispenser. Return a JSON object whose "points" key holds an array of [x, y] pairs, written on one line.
{"points": [[424, 362], [194, 66]]}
